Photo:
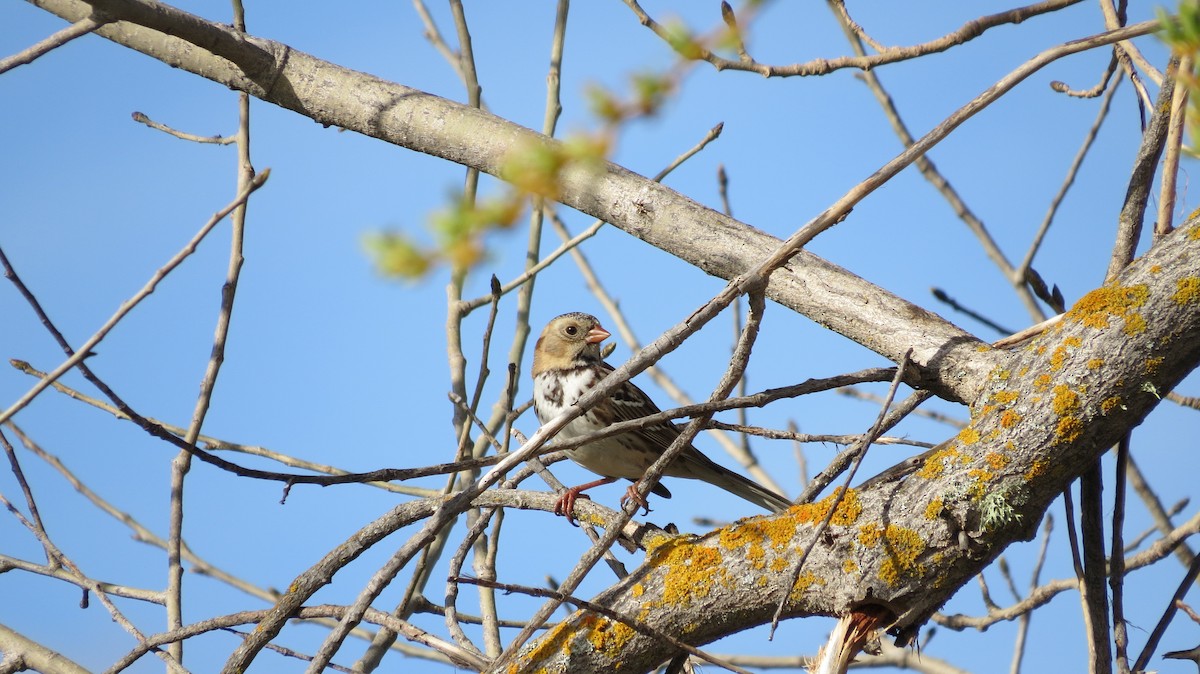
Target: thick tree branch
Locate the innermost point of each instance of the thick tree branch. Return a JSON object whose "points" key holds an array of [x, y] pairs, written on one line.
{"points": [[947, 359], [1049, 412]]}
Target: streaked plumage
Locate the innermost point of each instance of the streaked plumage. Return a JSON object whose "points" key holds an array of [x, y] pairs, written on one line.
{"points": [[566, 364]]}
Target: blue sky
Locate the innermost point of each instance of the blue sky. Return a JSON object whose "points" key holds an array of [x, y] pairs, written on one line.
{"points": [[333, 363]]}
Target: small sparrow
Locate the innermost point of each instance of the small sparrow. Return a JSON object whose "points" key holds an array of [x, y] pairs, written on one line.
{"points": [[566, 365]]}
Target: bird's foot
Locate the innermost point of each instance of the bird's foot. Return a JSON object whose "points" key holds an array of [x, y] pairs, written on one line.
{"points": [[632, 494], [565, 505]]}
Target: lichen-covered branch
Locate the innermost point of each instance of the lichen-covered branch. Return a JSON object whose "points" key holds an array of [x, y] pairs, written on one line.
{"points": [[1047, 412]]}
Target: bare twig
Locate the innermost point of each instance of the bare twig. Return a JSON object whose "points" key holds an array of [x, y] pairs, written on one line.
{"points": [[967, 32], [1069, 180], [78, 29], [1168, 193], [141, 118], [448, 651], [1168, 615], [76, 356], [1092, 592], [22, 653], [1042, 595], [567, 598], [1129, 223], [1116, 565]]}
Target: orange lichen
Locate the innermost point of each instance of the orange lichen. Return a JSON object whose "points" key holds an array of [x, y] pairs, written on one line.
{"points": [[1041, 382], [1110, 404], [637, 590], [996, 460], [1134, 324], [1095, 363], [1194, 232], [1009, 418], [1005, 397], [849, 566], [903, 547], [1058, 358], [606, 636], [869, 534], [1037, 469], [1152, 364], [1187, 291], [934, 509], [980, 479], [1073, 342], [558, 639], [805, 581], [968, 436], [935, 465], [847, 511], [692, 571], [1065, 401], [1095, 308], [1155, 268], [1069, 429]]}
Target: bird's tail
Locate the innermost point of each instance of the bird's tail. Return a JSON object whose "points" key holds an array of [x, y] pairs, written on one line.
{"points": [[700, 467]]}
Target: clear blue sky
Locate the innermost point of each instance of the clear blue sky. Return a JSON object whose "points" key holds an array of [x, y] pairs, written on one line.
{"points": [[333, 363]]}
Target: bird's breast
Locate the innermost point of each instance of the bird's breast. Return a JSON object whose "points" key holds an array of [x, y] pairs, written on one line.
{"points": [[556, 390]]}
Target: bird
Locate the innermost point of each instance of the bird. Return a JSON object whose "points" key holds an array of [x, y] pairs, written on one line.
{"points": [[566, 365]]}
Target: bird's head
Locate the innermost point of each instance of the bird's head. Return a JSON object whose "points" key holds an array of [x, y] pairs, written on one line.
{"points": [[568, 341]]}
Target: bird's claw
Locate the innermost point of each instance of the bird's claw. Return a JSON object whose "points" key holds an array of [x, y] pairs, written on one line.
{"points": [[565, 505], [632, 494]]}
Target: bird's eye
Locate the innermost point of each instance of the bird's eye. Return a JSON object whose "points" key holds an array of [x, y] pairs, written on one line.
{"points": [[572, 330]]}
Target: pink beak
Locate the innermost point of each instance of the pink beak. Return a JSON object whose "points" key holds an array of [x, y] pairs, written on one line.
{"points": [[597, 335]]}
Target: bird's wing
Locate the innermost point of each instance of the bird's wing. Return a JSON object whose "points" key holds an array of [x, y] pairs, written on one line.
{"points": [[630, 402]]}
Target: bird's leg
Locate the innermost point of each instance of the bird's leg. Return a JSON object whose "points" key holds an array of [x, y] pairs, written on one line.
{"points": [[632, 494], [565, 505]]}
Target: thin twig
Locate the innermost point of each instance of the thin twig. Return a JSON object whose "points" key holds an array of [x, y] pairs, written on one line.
{"points": [[1043, 594], [941, 296], [637, 625], [30, 502], [1168, 192], [86, 582], [1064, 88], [1093, 594], [967, 32], [844, 458], [1168, 615], [1068, 180], [1116, 564], [78, 29], [1133, 211], [141, 118], [76, 356]]}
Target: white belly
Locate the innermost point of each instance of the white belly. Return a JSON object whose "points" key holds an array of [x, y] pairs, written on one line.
{"points": [[610, 457]]}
